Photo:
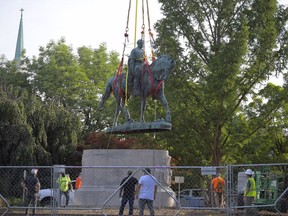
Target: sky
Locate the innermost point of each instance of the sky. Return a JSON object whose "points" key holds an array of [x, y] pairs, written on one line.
{"points": [[81, 22]]}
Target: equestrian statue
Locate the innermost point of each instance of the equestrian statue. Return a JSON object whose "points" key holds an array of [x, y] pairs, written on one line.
{"points": [[144, 80]]}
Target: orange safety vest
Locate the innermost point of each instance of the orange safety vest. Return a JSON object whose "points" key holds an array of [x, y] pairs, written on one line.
{"points": [[218, 184]]}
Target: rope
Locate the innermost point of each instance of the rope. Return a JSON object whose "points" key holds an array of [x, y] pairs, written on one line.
{"points": [[119, 71], [126, 89], [152, 41], [126, 40], [142, 37], [155, 116], [148, 17], [120, 68], [143, 29], [127, 24]]}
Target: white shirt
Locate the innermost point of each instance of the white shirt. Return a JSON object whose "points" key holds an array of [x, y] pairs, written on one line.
{"points": [[147, 187]]}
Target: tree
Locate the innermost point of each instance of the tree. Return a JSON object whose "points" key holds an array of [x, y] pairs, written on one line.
{"points": [[226, 50], [57, 74], [10, 76], [98, 65], [27, 123], [75, 81], [17, 142], [33, 132], [257, 142]]}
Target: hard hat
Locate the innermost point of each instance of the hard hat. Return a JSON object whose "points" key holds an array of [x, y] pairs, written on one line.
{"points": [[249, 172], [34, 171]]}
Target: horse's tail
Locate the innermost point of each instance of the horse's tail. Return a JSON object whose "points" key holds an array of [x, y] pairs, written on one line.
{"points": [[107, 92]]}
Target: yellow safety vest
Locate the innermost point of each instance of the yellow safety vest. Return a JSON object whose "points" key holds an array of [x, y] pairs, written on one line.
{"points": [[252, 191], [64, 183]]}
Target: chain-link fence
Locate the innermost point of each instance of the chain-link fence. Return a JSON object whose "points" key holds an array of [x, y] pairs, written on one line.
{"points": [[111, 190]]}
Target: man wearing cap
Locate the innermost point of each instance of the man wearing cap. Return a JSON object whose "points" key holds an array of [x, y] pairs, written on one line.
{"points": [[31, 186], [146, 192], [128, 187], [250, 190]]}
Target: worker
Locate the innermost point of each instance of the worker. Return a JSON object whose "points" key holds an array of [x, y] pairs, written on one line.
{"points": [[65, 186], [78, 183], [218, 184], [250, 190]]}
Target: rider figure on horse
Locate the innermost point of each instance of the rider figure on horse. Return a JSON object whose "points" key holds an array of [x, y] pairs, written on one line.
{"points": [[135, 64]]}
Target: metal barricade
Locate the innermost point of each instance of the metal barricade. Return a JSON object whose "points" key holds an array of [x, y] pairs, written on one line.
{"points": [[182, 190]]}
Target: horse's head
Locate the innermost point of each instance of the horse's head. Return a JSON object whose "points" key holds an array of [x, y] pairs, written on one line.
{"points": [[163, 66]]}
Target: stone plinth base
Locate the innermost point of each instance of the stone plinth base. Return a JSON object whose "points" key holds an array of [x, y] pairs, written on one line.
{"points": [[100, 183]]}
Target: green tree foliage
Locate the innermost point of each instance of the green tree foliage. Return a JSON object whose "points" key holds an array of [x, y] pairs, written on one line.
{"points": [[33, 131], [16, 138], [76, 81], [98, 65], [57, 74], [55, 94], [63, 130], [226, 51], [10, 75], [259, 129]]}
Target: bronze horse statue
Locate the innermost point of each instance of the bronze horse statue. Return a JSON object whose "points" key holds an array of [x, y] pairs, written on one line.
{"points": [[152, 84]]}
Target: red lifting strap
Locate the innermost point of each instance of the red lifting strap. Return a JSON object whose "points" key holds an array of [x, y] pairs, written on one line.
{"points": [[150, 77], [120, 68]]}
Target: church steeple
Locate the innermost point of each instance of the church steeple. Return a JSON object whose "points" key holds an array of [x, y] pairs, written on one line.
{"points": [[20, 41]]}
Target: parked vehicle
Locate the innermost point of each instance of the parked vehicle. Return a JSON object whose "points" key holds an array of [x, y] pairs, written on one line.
{"points": [[192, 198], [50, 195]]}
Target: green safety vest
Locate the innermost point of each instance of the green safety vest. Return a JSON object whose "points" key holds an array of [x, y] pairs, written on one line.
{"points": [[64, 183], [252, 191]]}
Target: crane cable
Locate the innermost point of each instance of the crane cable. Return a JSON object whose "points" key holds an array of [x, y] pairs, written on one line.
{"points": [[143, 31], [126, 37], [120, 67], [135, 26], [152, 41]]}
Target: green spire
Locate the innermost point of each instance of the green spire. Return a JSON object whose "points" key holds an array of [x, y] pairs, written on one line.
{"points": [[20, 42]]}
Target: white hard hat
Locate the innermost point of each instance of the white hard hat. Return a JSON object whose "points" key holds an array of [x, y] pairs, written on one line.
{"points": [[249, 172], [34, 171]]}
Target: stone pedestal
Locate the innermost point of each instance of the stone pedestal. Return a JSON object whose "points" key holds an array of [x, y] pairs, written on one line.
{"points": [[101, 180]]}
